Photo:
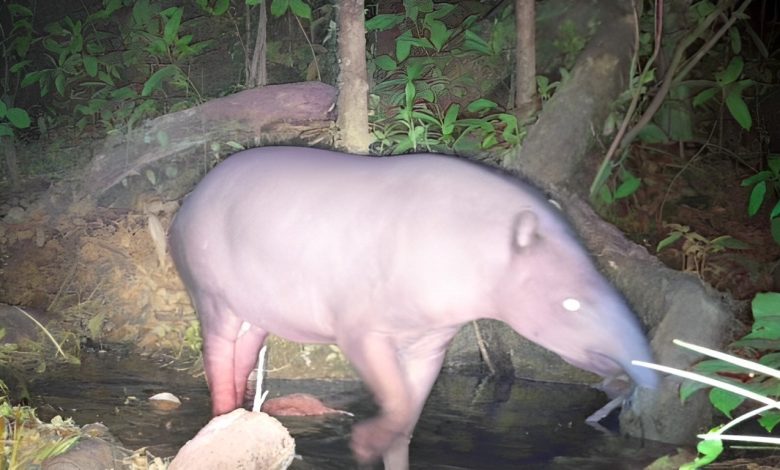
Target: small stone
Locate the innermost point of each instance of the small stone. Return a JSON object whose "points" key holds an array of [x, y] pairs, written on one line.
{"points": [[164, 401]]}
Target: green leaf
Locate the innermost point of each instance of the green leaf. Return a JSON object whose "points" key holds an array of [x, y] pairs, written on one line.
{"points": [[736, 40], [775, 211], [489, 141], [670, 239], [19, 118], [705, 96], [221, 7], [90, 65], [384, 22], [439, 33], [279, 7], [760, 176], [756, 198], [452, 114], [5, 130], [765, 304], [403, 46], [172, 25], [475, 43], [386, 63], [627, 187], [725, 401], [605, 195], [710, 450], [732, 72], [410, 92], [59, 83], [769, 420], [652, 134], [153, 83], [17, 67], [727, 241], [481, 104], [737, 106], [300, 9]]}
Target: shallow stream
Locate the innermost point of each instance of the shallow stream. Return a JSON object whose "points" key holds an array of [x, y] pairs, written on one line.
{"points": [[466, 424]]}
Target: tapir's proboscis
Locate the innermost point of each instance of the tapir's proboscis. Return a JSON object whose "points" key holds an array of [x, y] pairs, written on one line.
{"points": [[387, 257]]}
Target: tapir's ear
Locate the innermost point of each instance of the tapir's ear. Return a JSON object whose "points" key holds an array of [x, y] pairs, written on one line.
{"points": [[525, 228]]}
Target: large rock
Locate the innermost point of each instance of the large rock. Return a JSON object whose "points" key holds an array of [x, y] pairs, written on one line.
{"points": [[240, 439]]}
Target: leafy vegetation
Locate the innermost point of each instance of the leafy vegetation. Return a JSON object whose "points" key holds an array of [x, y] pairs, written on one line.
{"points": [[425, 111]]}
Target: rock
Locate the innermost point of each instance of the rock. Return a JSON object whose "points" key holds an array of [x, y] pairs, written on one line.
{"points": [[298, 404], [164, 401], [241, 440]]}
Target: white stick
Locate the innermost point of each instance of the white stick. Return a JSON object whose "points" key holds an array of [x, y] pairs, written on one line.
{"points": [[259, 393]]}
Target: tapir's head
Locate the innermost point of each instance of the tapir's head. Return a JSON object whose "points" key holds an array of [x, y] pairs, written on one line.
{"points": [[554, 295]]}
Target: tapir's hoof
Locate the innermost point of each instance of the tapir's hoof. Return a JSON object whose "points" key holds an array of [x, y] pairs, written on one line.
{"points": [[372, 438], [298, 404]]}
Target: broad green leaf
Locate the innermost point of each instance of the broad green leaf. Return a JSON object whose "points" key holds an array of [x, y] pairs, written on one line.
{"points": [[760, 176], [221, 7], [441, 10], [732, 72], [705, 96], [475, 43], [279, 7], [756, 198], [384, 22], [452, 114], [670, 239], [17, 67], [627, 187], [775, 211], [725, 401], [59, 83], [605, 195], [403, 46], [710, 450], [769, 420], [771, 360], [652, 134], [481, 104], [5, 130], [300, 9], [489, 141], [737, 106], [439, 33], [19, 118], [765, 304], [172, 25], [727, 241], [90, 65], [153, 83], [736, 40], [386, 63]]}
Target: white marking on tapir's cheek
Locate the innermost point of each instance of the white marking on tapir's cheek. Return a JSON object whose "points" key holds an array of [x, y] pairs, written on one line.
{"points": [[572, 305]]}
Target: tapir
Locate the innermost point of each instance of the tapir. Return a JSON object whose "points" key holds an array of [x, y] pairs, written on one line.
{"points": [[387, 257]]}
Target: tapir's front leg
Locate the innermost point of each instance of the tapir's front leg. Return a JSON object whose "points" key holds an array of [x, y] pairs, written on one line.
{"points": [[400, 382]]}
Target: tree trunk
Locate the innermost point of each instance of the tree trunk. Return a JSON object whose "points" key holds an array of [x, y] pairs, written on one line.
{"points": [[526, 101], [353, 78], [257, 74]]}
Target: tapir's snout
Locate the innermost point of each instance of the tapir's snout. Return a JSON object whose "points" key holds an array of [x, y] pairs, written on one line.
{"points": [[609, 368]]}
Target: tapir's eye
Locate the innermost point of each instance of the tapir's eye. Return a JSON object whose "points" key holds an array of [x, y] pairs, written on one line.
{"points": [[572, 305]]}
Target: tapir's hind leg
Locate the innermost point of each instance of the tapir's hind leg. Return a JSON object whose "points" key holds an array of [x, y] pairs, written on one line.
{"points": [[228, 355], [247, 346]]}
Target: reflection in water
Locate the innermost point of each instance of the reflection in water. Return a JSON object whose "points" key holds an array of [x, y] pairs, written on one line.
{"points": [[466, 424]]}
